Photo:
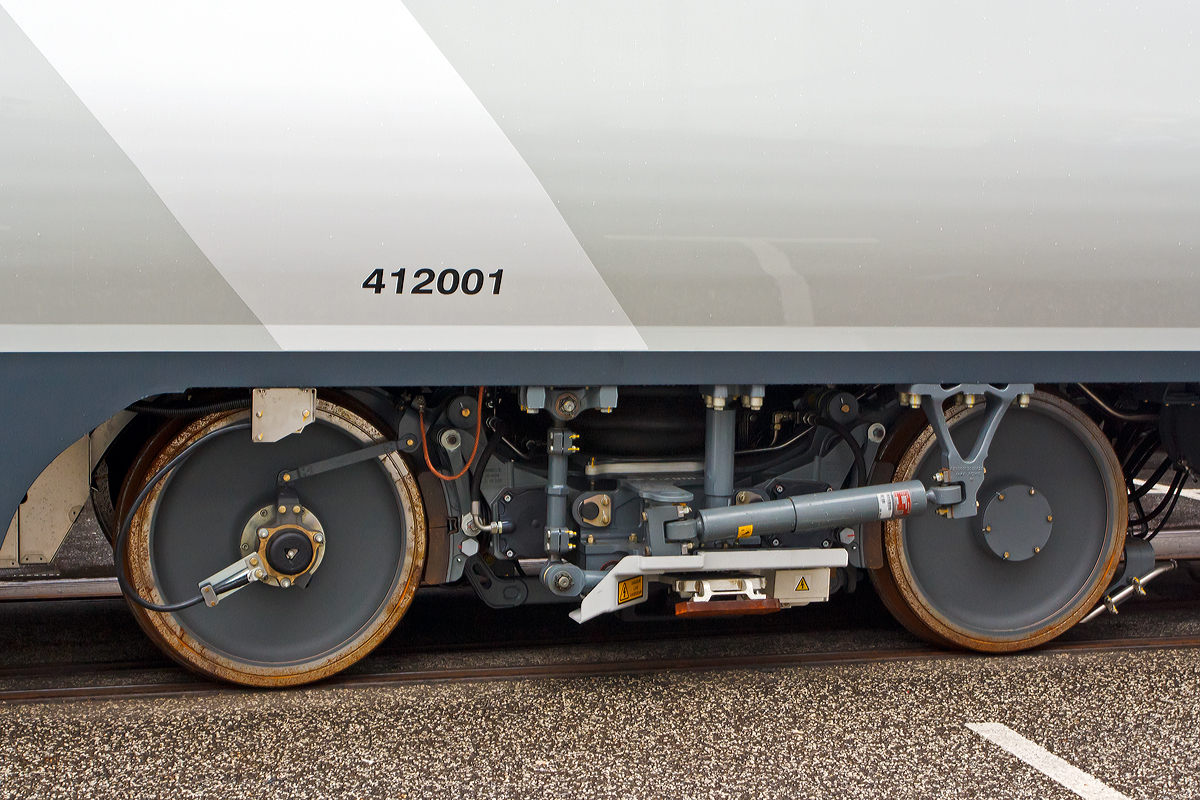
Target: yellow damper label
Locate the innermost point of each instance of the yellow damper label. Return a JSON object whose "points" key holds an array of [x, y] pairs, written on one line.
{"points": [[745, 530], [802, 586], [630, 589]]}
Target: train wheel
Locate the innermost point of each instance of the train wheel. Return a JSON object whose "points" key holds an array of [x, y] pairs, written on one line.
{"points": [[1041, 551], [195, 522]]}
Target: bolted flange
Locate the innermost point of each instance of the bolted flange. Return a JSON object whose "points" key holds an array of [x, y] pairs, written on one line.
{"points": [[290, 544]]}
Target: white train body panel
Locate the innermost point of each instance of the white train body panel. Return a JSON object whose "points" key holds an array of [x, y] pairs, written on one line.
{"points": [[804, 177]]}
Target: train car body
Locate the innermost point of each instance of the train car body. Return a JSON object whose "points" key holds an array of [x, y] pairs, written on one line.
{"points": [[808, 213]]}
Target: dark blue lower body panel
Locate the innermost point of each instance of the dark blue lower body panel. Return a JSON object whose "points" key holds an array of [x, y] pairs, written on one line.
{"points": [[49, 400]]}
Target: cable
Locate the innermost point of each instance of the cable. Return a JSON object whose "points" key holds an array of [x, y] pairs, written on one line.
{"points": [[474, 449], [142, 407], [1176, 486], [1112, 412], [1150, 482], [1170, 508], [123, 530]]}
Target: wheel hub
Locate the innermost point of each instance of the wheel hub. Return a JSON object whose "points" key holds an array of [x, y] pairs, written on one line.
{"points": [[290, 544], [1017, 522]]}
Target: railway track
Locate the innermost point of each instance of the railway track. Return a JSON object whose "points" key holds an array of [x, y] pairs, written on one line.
{"points": [[187, 686]]}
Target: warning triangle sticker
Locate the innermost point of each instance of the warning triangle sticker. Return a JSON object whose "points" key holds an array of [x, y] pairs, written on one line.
{"points": [[802, 586]]}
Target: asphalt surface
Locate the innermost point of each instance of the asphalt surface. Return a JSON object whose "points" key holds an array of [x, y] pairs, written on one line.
{"points": [[888, 729], [878, 730]]}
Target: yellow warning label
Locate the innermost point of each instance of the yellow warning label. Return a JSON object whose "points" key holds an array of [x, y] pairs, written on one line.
{"points": [[629, 589], [802, 586], [745, 530]]}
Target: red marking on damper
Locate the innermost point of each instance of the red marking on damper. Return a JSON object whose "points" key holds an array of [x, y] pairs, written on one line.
{"points": [[903, 502]]}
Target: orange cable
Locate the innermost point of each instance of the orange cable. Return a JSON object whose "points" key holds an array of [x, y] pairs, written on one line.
{"points": [[474, 450]]}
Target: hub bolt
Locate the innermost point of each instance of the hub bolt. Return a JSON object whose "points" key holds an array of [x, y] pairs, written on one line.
{"points": [[319, 538], [262, 533]]}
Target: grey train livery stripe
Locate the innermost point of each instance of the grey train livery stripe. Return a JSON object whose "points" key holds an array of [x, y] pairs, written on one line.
{"points": [[336, 170], [84, 241], [859, 165]]}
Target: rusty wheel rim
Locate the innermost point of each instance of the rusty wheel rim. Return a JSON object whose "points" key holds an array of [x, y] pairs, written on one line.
{"points": [[971, 598], [262, 636]]}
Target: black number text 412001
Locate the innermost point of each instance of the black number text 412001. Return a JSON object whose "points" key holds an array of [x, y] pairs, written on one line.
{"points": [[448, 281]]}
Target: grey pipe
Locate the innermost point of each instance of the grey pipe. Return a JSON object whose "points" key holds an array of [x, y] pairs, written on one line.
{"points": [[720, 432], [558, 446]]}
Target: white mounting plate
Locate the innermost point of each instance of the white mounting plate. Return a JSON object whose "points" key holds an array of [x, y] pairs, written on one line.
{"points": [[276, 413]]}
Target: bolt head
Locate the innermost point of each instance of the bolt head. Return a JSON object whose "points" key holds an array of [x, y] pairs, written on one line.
{"points": [[1006, 554], [319, 538], [283, 509], [262, 533], [1037, 550], [563, 581], [1049, 518], [253, 561], [825, 544], [509, 553], [286, 583], [258, 573], [245, 547], [296, 509]]}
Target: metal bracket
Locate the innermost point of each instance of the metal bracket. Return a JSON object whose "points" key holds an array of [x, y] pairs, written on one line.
{"points": [[498, 592], [248, 567], [565, 404], [276, 413], [656, 534], [1139, 570], [967, 472]]}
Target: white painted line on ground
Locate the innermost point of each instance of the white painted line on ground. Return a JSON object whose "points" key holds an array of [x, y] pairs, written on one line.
{"points": [[1045, 762]]}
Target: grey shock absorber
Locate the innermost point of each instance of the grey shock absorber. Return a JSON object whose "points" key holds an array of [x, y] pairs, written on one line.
{"points": [[809, 512]]}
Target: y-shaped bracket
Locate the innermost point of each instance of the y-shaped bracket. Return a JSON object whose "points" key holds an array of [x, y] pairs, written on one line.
{"points": [[966, 472]]}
